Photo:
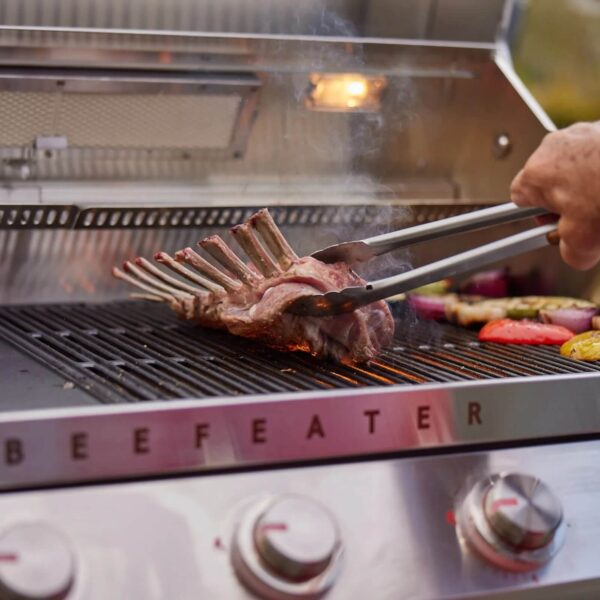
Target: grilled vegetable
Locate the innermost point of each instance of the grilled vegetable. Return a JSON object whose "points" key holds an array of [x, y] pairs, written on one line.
{"points": [[430, 307], [436, 288], [575, 319], [491, 284], [509, 331], [585, 346], [596, 322], [468, 312]]}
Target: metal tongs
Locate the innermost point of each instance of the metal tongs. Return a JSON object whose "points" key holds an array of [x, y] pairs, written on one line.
{"points": [[351, 298]]}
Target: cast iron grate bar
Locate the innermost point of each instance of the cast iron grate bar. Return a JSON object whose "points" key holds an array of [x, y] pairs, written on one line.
{"points": [[135, 351]]}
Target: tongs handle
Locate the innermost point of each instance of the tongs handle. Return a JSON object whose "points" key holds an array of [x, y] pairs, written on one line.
{"points": [[349, 299], [362, 250]]}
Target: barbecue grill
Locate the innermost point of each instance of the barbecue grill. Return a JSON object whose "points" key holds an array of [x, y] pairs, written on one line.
{"points": [[144, 457]]}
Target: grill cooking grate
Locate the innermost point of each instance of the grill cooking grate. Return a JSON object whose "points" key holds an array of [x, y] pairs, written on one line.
{"points": [[131, 351]]}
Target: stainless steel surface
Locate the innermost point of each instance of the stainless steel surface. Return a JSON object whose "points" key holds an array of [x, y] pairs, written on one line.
{"points": [[41, 258], [97, 443], [36, 562], [395, 517], [232, 402], [363, 250], [28, 385], [349, 299], [439, 96], [287, 547], [522, 511], [60, 264], [512, 531], [198, 216], [421, 19]]}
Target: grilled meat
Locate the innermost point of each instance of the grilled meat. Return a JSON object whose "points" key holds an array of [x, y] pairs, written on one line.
{"points": [[250, 300]]}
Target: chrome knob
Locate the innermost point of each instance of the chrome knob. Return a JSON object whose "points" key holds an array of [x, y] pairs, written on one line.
{"points": [[513, 520], [522, 511], [287, 547], [297, 538], [36, 563]]}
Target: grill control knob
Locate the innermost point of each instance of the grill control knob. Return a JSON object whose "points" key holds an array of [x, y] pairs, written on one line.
{"points": [[288, 547], [36, 563], [297, 538], [522, 511], [513, 520]]}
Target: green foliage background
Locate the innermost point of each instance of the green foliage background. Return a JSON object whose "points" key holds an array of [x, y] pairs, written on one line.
{"points": [[557, 54]]}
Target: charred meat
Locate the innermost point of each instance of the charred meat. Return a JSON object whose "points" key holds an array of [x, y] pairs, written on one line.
{"points": [[250, 299]]}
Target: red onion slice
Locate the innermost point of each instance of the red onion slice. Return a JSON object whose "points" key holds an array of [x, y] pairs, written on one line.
{"points": [[575, 319], [491, 284], [430, 307]]}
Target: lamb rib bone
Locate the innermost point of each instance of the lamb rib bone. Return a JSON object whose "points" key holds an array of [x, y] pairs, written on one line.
{"points": [[277, 244], [246, 238], [192, 258], [168, 279], [171, 263], [142, 286], [151, 281], [219, 250]]}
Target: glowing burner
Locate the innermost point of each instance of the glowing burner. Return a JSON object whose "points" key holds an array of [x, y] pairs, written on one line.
{"points": [[349, 92]]}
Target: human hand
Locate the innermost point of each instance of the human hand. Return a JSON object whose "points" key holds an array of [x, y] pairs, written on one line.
{"points": [[563, 176]]}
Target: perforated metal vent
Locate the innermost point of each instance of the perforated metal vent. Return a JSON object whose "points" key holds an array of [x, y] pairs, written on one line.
{"points": [[159, 115], [120, 121], [34, 216], [37, 217]]}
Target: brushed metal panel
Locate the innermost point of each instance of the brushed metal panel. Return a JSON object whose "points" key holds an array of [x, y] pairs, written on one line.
{"points": [[172, 538], [259, 16], [183, 436], [417, 19]]}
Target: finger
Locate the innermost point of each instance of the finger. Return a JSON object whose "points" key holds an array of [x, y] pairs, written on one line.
{"points": [[577, 259], [582, 236], [524, 194], [516, 188]]}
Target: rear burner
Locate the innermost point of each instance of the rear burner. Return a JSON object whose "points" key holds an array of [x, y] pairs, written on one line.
{"points": [[134, 351]]}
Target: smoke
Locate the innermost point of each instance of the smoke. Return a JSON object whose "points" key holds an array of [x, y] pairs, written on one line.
{"points": [[337, 157], [345, 151]]}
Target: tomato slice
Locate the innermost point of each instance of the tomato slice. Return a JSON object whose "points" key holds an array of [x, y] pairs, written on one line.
{"points": [[509, 331]]}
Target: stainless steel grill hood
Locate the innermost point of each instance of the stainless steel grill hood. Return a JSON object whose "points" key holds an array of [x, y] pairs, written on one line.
{"points": [[61, 77], [199, 111]]}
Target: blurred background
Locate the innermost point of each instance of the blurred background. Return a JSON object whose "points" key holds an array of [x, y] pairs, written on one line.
{"points": [[556, 46]]}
